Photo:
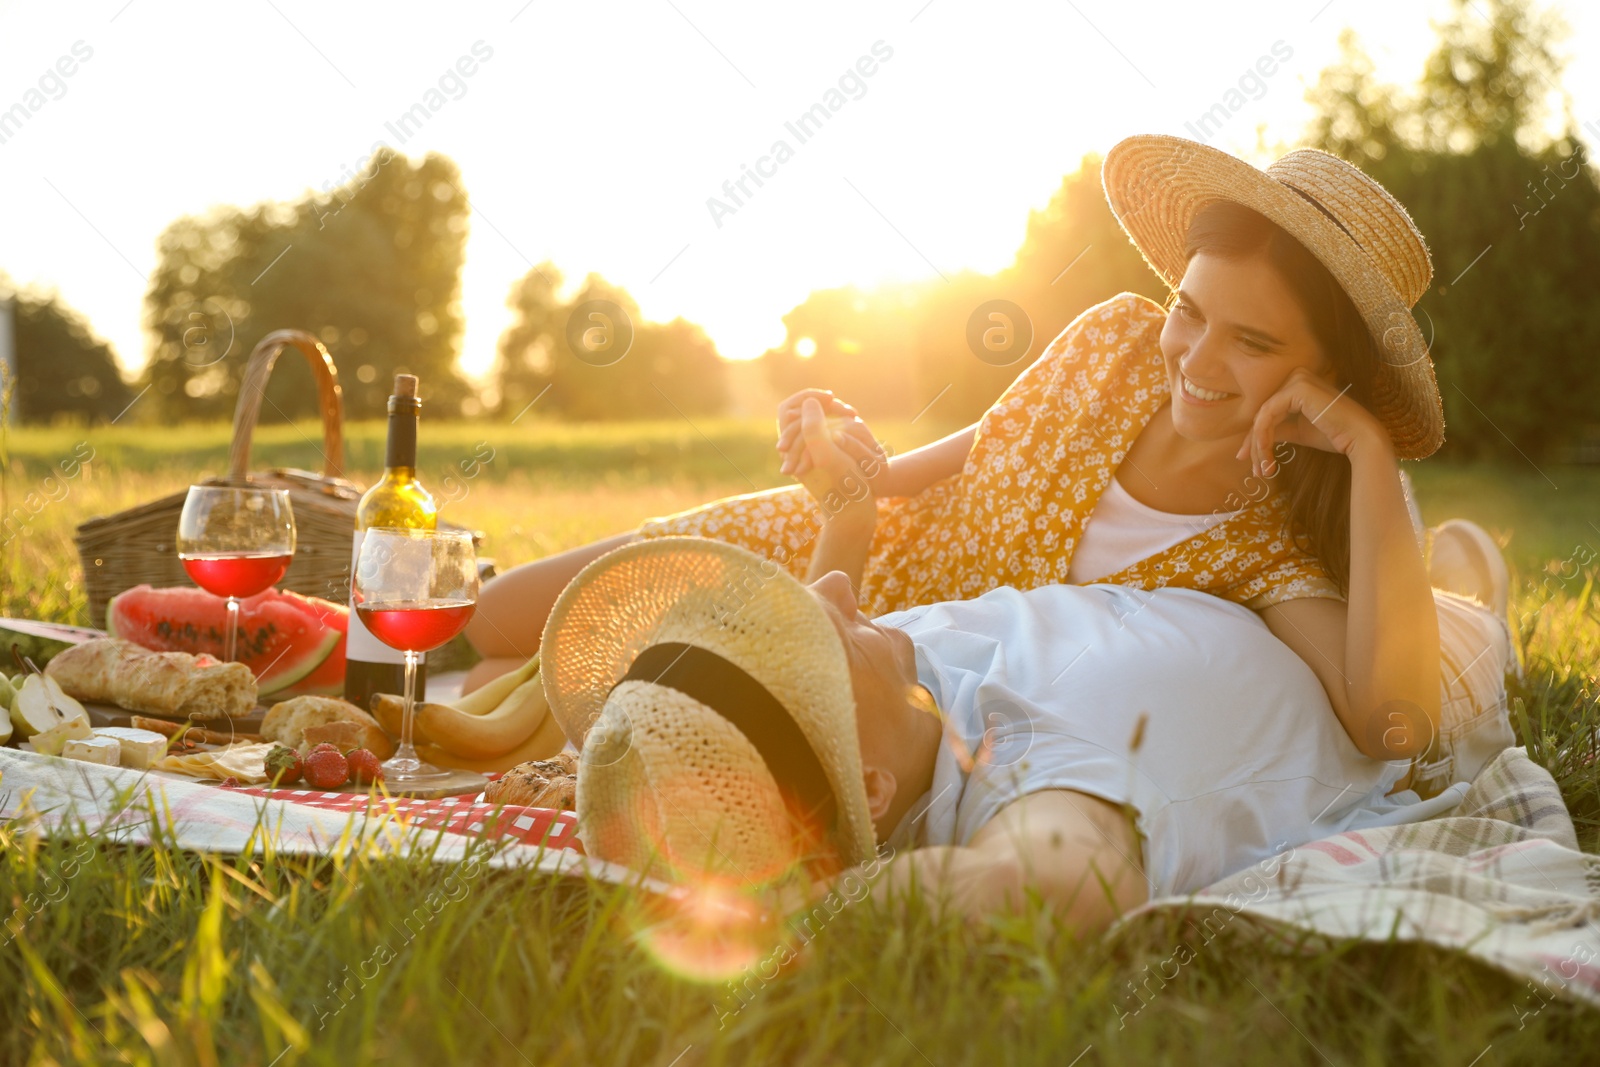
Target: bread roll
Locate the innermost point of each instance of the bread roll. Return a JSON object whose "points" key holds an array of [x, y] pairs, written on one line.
{"points": [[306, 721], [551, 783], [112, 671]]}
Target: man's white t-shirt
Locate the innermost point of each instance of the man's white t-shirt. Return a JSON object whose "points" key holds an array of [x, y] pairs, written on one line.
{"points": [[1242, 756]]}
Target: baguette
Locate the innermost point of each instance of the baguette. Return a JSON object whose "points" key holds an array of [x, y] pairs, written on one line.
{"points": [[112, 671]]}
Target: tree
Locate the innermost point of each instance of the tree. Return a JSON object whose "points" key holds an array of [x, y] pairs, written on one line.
{"points": [[899, 350], [1357, 118], [525, 355], [63, 369], [372, 269], [640, 370], [859, 343], [1491, 77], [1511, 215]]}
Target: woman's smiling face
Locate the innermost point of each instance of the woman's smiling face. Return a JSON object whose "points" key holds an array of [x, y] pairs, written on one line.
{"points": [[1234, 335]]}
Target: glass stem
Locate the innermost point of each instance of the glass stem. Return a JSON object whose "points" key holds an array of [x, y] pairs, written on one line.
{"points": [[230, 630], [405, 750]]}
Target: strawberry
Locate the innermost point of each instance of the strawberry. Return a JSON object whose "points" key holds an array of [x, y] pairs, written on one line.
{"points": [[230, 782], [364, 766], [283, 765], [325, 768]]}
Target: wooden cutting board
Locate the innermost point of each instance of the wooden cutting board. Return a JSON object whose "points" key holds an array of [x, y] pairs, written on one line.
{"points": [[456, 783], [112, 715]]}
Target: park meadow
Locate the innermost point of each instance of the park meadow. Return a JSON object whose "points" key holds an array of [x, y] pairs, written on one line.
{"points": [[154, 955]]}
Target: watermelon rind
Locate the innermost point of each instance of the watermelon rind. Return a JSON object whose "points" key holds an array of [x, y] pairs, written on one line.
{"points": [[39, 641], [327, 679]]}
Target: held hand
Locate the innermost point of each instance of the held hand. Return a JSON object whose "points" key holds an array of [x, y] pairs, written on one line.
{"points": [[1308, 411], [845, 425], [789, 421], [838, 471]]}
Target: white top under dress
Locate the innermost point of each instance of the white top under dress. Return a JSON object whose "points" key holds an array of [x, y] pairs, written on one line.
{"points": [[1121, 531]]}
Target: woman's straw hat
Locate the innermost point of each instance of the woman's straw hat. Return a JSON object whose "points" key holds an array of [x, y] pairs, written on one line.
{"points": [[1156, 183], [711, 696]]}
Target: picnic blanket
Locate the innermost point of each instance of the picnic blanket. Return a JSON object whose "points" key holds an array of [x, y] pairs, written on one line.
{"points": [[131, 806], [1500, 876]]}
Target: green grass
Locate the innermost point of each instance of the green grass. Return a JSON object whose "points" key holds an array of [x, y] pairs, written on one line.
{"points": [[117, 954]]}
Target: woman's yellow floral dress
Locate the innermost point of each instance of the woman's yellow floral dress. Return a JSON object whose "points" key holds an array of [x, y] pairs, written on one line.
{"points": [[1043, 455]]}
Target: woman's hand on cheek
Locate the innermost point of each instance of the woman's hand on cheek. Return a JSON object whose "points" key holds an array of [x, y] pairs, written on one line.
{"points": [[1308, 411]]}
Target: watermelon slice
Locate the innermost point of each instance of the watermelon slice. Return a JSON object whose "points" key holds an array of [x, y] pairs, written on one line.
{"points": [[279, 638], [328, 678], [39, 641]]}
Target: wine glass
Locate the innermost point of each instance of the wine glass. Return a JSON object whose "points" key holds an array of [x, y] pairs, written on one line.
{"points": [[414, 590], [235, 541]]}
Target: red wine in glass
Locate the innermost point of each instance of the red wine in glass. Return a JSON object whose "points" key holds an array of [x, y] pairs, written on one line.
{"points": [[240, 576], [414, 590], [235, 541], [418, 627]]}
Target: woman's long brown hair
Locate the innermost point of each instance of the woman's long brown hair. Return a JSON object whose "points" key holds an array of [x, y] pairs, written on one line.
{"points": [[1315, 484]]}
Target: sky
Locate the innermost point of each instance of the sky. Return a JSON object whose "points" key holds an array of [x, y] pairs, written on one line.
{"points": [[597, 135]]}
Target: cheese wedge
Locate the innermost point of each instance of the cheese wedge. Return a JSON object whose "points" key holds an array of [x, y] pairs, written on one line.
{"points": [[140, 748], [102, 750], [51, 741], [244, 761]]}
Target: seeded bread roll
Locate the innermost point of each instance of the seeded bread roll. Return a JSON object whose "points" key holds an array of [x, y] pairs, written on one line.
{"points": [[306, 721], [112, 671], [551, 783]]}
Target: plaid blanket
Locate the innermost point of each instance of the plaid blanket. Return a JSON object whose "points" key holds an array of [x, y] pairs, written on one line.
{"points": [[1499, 876]]}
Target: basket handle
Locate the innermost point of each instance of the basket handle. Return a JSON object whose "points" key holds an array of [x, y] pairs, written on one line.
{"points": [[251, 391]]}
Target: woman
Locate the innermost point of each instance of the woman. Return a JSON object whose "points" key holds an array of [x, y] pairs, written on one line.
{"points": [[1244, 443]]}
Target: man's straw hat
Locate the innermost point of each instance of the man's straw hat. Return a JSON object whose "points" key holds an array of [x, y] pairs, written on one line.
{"points": [[711, 695], [1156, 183]]}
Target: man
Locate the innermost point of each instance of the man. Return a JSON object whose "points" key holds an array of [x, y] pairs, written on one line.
{"points": [[1093, 745]]}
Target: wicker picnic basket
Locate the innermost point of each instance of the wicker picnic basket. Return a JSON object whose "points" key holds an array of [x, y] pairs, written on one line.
{"points": [[139, 545]]}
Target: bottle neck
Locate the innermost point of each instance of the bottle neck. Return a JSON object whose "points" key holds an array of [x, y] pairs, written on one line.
{"points": [[401, 452]]}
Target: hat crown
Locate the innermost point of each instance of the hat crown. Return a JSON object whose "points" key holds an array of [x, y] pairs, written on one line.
{"points": [[1377, 222]]}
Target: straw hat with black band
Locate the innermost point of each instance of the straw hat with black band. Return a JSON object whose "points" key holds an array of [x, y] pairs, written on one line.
{"points": [[1156, 183], [710, 693]]}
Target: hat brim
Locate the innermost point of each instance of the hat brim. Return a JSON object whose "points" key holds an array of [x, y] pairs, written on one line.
{"points": [[728, 600], [1155, 184]]}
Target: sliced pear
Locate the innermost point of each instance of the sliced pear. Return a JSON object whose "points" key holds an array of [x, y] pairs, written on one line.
{"points": [[40, 705]]}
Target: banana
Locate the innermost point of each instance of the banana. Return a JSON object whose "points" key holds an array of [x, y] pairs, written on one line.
{"points": [[490, 695], [388, 709], [493, 734], [543, 743]]}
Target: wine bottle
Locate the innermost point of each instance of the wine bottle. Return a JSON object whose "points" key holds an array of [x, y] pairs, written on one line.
{"points": [[397, 499]]}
